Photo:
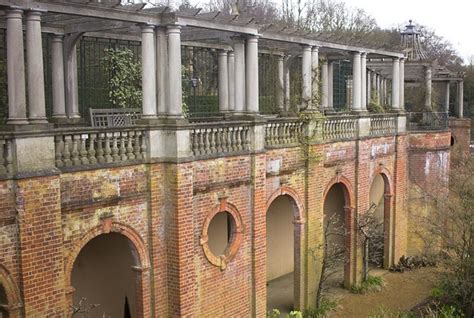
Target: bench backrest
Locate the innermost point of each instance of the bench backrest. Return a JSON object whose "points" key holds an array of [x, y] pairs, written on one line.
{"points": [[114, 117]]}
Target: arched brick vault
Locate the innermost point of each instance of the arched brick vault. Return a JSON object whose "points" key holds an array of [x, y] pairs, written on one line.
{"points": [[299, 241], [387, 178], [139, 252], [285, 190], [349, 195], [389, 218], [350, 270], [11, 290]]}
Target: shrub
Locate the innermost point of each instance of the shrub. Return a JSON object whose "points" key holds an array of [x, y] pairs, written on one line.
{"points": [[323, 310], [372, 284]]}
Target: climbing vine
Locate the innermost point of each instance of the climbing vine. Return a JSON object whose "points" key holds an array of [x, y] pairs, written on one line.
{"points": [[125, 78]]}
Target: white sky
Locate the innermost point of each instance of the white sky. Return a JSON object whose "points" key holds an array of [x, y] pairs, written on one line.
{"points": [[453, 20]]}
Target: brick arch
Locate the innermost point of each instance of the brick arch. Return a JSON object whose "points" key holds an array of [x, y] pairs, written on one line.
{"points": [[387, 178], [299, 207], [350, 265], [388, 214], [299, 241], [12, 292], [139, 253], [349, 196]]}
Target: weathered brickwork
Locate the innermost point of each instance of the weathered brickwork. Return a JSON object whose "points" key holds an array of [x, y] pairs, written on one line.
{"points": [[429, 161], [162, 208]]}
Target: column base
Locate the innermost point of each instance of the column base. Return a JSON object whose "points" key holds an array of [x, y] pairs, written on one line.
{"points": [[38, 120], [29, 127], [17, 121]]}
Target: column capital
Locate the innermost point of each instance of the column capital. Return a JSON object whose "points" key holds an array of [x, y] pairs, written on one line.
{"points": [[57, 37], [363, 54], [252, 37], [306, 47], [222, 52], [237, 39], [33, 15], [14, 13], [173, 29], [315, 48], [147, 28], [355, 53]]}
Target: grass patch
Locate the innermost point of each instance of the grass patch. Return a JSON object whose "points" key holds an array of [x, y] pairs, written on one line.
{"points": [[372, 284]]}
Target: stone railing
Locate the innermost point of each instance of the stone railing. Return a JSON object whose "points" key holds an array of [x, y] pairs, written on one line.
{"points": [[283, 132], [383, 125], [339, 127], [427, 120], [208, 139], [6, 155], [86, 147]]}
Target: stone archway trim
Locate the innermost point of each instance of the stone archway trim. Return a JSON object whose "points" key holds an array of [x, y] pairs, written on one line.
{"points": [[12, 292], [285, 190]]}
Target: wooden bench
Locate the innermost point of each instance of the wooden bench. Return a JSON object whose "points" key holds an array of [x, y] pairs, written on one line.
{"points": [[114, 117]]}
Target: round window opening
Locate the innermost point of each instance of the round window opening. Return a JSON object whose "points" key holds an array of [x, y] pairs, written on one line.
{"points": [[221, 236]]}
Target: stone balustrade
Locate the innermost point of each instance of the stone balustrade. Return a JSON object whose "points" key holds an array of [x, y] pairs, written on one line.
{"points": [[427, 120], [339, 128], [6, 156], [209, 139], [383, 125], [283, 132], [84, 148]]}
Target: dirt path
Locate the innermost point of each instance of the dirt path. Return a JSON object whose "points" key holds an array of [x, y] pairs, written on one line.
{"points": [[401, 292]]}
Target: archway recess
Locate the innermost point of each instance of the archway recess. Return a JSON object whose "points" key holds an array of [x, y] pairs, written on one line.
{"points": [[104, 274]]}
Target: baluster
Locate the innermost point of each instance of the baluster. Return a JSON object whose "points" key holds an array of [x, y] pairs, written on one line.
{"points": [[92, 153], [246, 138], [123, 149], [67, 151], [194, 143], [83, 152], [239, 138], [75, 152], [115, 148], [130, 154], [201, 142], [143, 145], [100, 148], [3, 168], [212, 141], [59, 148], [9, 156], [136, 146], [108, 150], [221, 139]]}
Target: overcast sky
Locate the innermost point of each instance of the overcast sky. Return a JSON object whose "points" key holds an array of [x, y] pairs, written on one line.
{"points": [[453, 20]]}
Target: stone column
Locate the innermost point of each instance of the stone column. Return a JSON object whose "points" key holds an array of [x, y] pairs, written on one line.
{"points": [[57, 74], [34, 58], [175, 93], [223, 82], [325, 84], [363, 73], [396, 84], [402, 84], [428, 89], [315, 72], [378, 88], [384, 91], [286, 79], [331, 85], [72, 90], [161, 69], [239, 49], [306, 72], [251, 74], [460, 108], [356, 82], [231, 79], [369, 86], [15, 68], [446, 98], [281, 84], [148, 72]]}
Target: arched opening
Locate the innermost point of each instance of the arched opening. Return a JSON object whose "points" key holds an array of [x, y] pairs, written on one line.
{"points": [[280, 258], [335, 233], [379, 199], [103, 274], [3, 303]]}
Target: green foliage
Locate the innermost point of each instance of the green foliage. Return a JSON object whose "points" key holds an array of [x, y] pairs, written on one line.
{"points": [[275, 313], [124, 86], [325, 308], [383, 312], [372, 284], [374, 106]]}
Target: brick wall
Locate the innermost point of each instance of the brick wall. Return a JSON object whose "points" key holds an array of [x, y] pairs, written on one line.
{"points": [[162, 208]]}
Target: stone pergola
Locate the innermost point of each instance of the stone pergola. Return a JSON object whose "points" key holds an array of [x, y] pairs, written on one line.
{"points": [[161, 32]]}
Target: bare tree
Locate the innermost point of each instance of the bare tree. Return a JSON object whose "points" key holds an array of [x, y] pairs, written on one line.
{"points": [[333, 254], [82, 310]]}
